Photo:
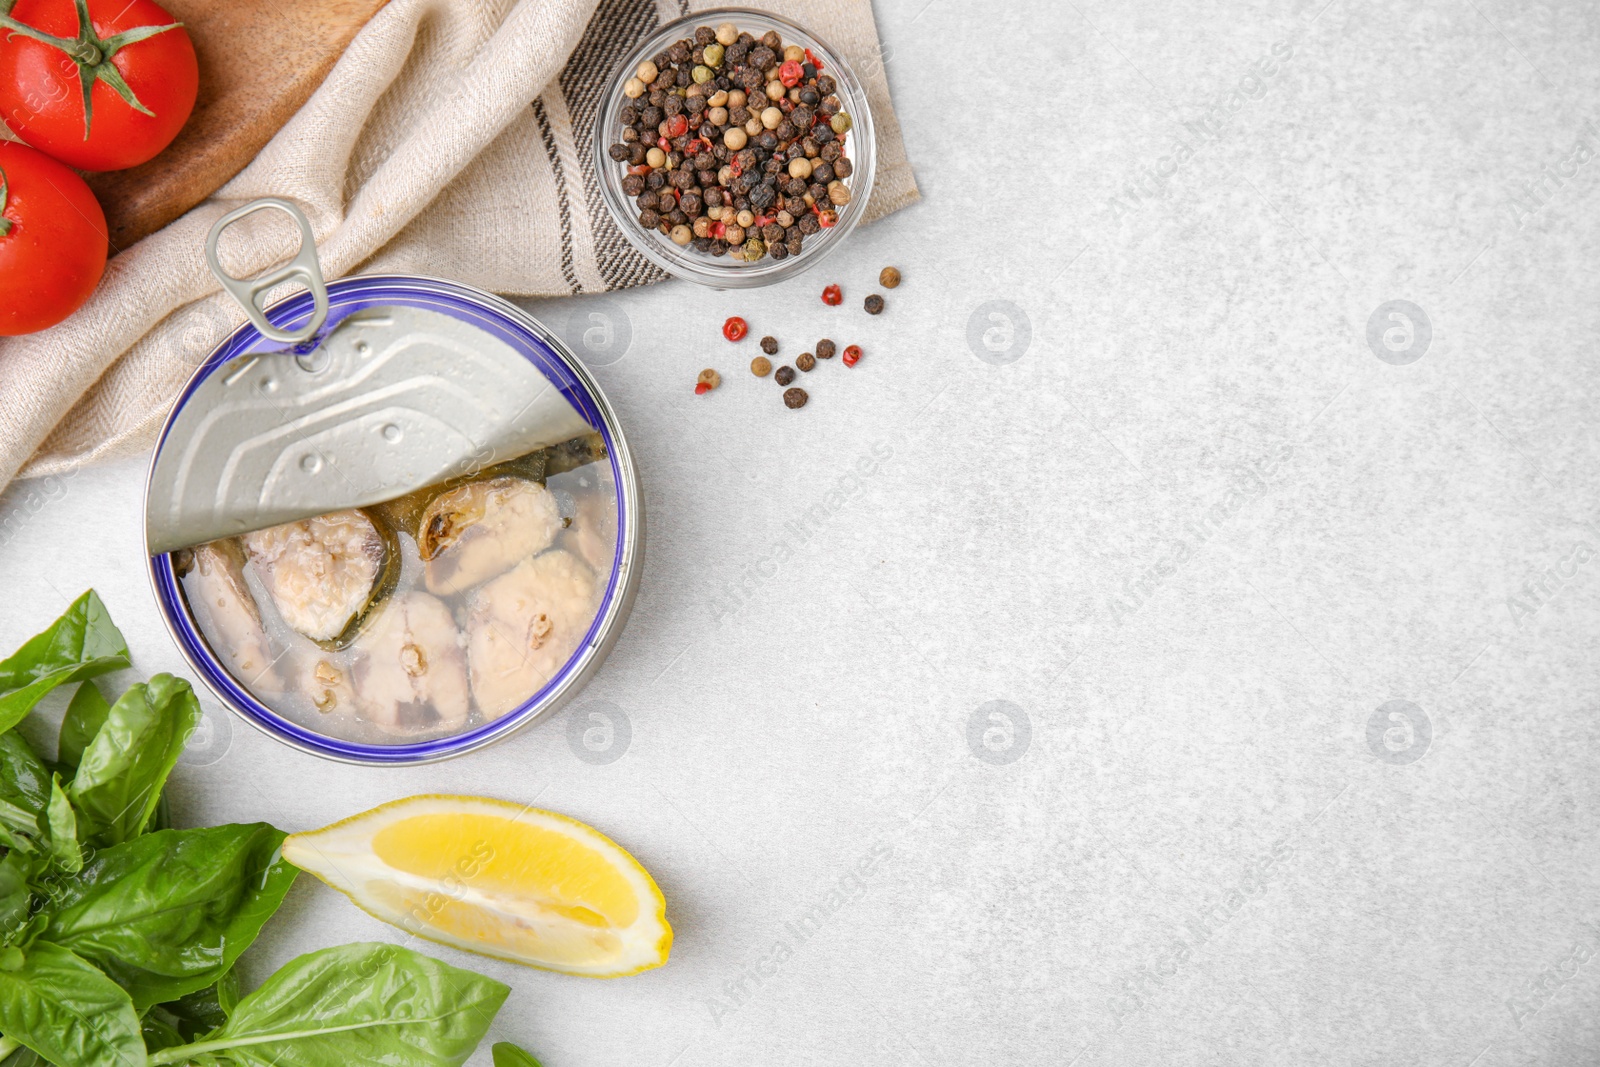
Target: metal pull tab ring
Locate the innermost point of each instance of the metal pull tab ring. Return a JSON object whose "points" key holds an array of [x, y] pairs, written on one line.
{"points": [[304, 268]]}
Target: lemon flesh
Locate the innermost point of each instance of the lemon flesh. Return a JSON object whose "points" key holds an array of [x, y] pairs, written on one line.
{"points": [[513, 882]]}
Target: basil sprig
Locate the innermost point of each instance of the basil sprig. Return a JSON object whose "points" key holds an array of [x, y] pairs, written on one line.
{"points": [[118, 935]]}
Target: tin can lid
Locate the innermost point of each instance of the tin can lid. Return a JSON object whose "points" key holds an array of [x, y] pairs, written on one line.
{"points": [[342, 411]]}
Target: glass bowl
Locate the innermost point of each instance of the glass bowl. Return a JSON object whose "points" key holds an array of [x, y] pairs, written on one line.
{"points": [[723, 272]]}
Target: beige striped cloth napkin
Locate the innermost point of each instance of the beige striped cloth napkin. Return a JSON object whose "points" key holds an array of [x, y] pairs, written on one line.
{"points": [[453, 139]]}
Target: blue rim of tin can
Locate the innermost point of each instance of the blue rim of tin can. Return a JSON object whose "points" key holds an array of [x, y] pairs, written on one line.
{"points": [[545, 351]]}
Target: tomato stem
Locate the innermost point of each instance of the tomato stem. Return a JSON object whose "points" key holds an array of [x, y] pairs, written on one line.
{"points": [[5, 189], [91, 53]]}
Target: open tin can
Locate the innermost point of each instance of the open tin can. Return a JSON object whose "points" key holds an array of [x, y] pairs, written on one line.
{"points": [[390, 519]]}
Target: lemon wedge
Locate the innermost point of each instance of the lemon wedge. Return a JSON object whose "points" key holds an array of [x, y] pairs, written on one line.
{"points": [[498, 878]]}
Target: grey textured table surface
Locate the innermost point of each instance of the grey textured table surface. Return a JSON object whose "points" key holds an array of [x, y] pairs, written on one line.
{"points": [[1287, 590]]}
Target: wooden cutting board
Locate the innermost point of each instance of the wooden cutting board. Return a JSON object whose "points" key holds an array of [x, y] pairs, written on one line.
{"points": [[260, 60]]}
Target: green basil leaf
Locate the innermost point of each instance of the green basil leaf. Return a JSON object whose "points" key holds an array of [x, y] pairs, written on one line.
{"points": [[364, 1003], [68, 1012], [18, 827], [162, 817], [119, 778], [24, 1057], [85, 716], [16, 900], [65, 851], [508, 1055], [203, 1011], [24, 793], [167, 914], [81, 644], [228, 993], [24, 778], [161, 1031]]}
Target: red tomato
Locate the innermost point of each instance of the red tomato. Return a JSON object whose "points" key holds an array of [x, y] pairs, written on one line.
{"points": [[41, 94], [52, 241]]}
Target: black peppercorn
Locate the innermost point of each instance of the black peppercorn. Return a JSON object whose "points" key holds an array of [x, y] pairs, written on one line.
{"points": [[874, 304], [618, 152], [843, 168], [783, 375], [778, 251], [769, 345], [633, 185], [795, 398], [805, 361], [795, 241], [649, 219], [826, 85], [704, 35]]}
